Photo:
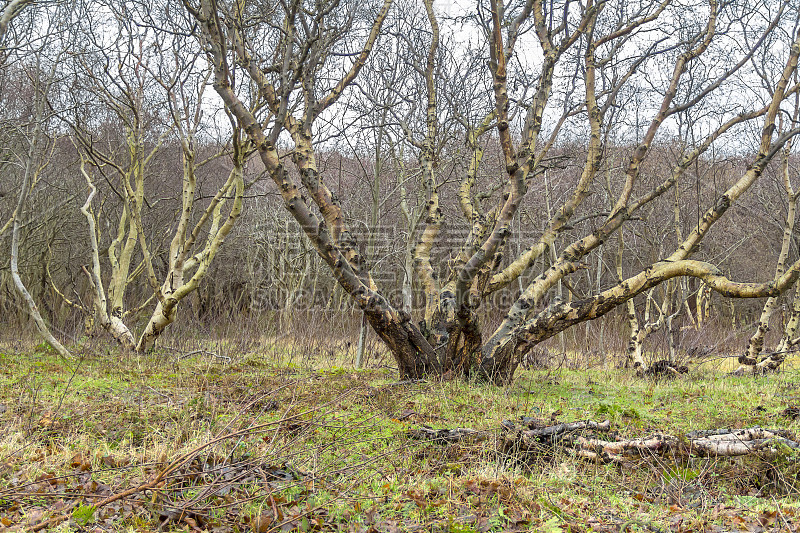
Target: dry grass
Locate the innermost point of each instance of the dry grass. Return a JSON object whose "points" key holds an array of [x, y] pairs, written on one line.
{"points": [[309, 443]]}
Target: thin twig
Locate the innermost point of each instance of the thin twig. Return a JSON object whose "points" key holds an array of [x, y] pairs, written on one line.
{"points": [[201, 351]]}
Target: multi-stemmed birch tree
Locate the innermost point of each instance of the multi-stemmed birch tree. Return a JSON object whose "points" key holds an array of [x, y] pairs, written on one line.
{"points": [[752, 360], [156, 96], [555, 71]]}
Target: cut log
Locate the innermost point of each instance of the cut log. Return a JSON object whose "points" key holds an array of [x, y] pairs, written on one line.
{"points": [[728, 444], [658, 443]]}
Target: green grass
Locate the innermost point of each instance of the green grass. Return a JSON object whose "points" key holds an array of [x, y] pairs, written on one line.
{"points": [[325, 448]]}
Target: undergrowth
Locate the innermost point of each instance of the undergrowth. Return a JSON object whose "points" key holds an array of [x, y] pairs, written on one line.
{"points": [[261, 444]]}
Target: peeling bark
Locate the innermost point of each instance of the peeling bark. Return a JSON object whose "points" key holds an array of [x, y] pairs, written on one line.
{"points": [[579, 439]]}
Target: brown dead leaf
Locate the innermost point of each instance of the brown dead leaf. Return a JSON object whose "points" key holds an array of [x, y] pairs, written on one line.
{"points": [[261, 524], [47, 420], [472, 486], [739, 521], [417, 498], [768, 518], [80, 462], [192, 523], [49, 478]]}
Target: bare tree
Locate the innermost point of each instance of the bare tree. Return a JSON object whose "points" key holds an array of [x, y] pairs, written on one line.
{"points": [[299, 73], [156, 95], [10, 11], [752, 357], [36, 136]]}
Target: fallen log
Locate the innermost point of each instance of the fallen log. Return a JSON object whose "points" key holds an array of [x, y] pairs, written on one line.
{"points": [[516, 441], [559, 429], [710, 443], [616, 450], [579, 438], [664, 370], [733, 448], [739, 434]]}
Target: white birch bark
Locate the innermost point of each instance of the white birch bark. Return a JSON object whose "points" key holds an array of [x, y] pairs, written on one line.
{"points": [[111, 322], [750, 360], [31, 170]]}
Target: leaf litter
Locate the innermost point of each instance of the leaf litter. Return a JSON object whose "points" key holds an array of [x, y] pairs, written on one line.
{"points": [[330, 452]]}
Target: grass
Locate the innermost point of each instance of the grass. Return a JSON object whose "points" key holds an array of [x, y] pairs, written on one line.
{"points": [[272, 444]]}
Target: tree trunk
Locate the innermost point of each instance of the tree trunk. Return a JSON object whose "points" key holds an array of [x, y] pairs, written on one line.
{"points": [[30, 172], [448, 338], [162, 317], [175, 289], [756, 344], [111, 322], [787, 343], [362, 338]]}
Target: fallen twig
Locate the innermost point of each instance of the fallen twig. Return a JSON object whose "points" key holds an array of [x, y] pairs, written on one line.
{"points": [[205, 352], [446, 435]]}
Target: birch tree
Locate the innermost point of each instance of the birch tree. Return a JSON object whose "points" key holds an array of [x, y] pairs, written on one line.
{"points": [[555, 70], [117, 91], [11, 10], [34, 131], [150, 91], [752, 359]]}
